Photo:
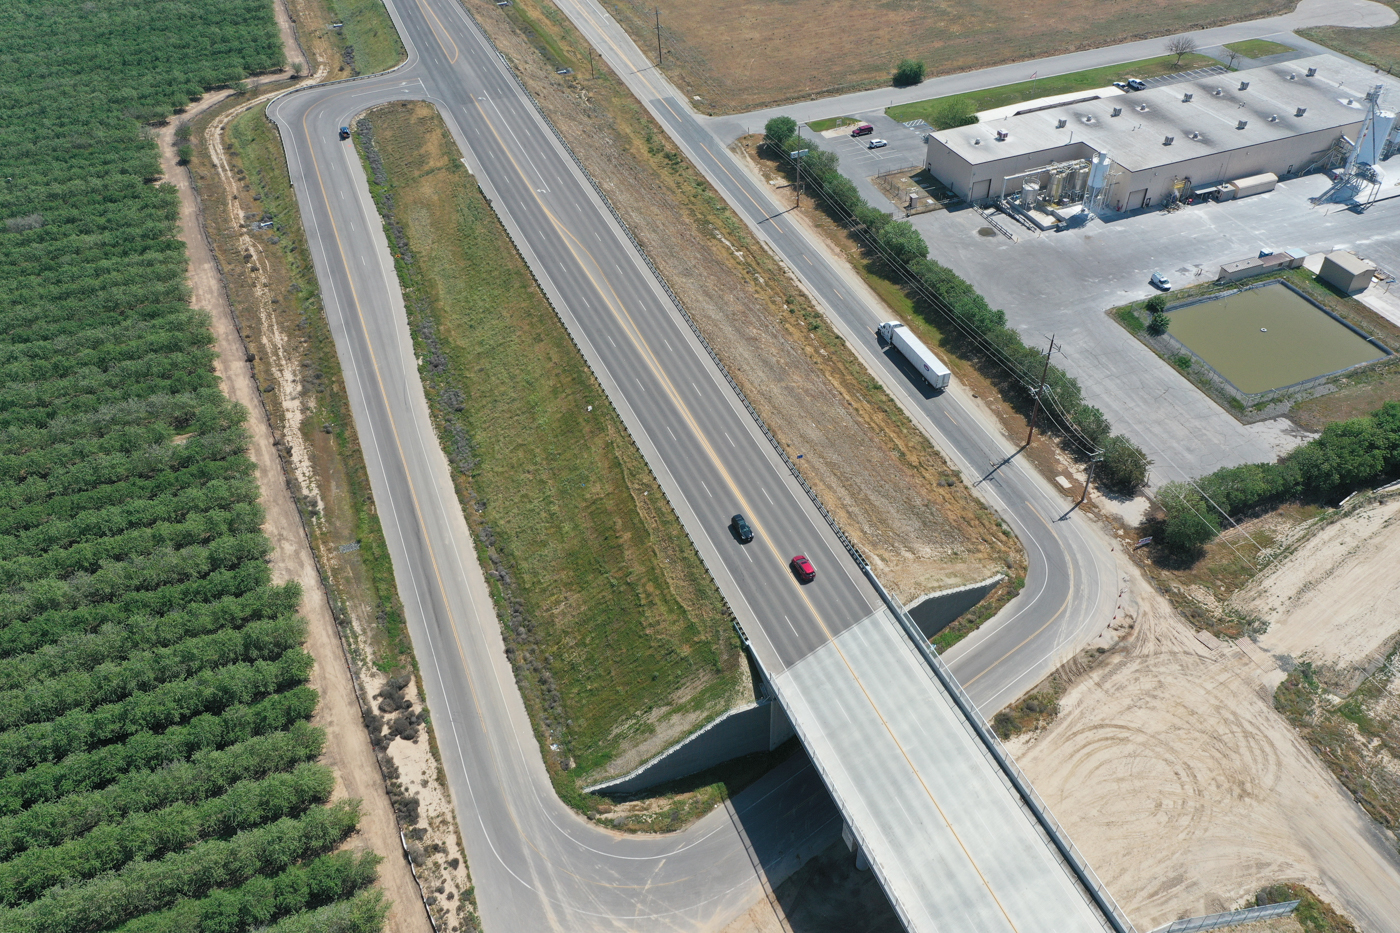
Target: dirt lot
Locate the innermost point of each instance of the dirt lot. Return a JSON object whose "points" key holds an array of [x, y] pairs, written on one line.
{"points": [[744, 54], [1333, 600], [1171, 746], [882, 479]]}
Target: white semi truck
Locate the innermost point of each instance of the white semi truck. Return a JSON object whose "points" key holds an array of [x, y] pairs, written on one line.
{"points": [[918, 355]]}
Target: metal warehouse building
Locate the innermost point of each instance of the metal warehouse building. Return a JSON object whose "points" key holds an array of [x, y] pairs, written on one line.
{"points": [[1280, 119]]}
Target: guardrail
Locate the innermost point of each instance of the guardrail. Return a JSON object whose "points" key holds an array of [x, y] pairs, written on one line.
{"points": [[1233, 918]]}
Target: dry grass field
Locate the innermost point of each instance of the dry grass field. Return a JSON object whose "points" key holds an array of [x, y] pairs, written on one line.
{"points": [[738, 55]]}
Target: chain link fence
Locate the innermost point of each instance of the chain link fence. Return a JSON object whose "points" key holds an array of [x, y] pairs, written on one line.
{"points": [[1233, 918]]}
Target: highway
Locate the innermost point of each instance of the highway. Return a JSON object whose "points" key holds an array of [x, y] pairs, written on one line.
{"points": [[536, 864]]}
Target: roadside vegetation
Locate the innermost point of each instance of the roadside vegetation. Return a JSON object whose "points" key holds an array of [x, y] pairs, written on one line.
{"points": [[1379, 47], [969, 326], [366, 40], [159, 770], [747, 56], [960, 109], [616, 632], [252, 222]]}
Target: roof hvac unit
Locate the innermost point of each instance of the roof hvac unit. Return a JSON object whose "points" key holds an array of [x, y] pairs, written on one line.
{"points": [[1060, 123], [1242, 124], [1169, 140], [1001, 135], [1186, 98], [1312, 72], [1117, 111], [1244, 85], [1300, 111]]}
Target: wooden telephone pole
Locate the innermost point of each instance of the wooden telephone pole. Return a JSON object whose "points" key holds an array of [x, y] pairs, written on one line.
{"points": [[1035, 409], [1093, 462], [658, 37]]}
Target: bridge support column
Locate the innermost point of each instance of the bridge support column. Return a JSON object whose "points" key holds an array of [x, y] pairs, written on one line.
{"points": [[849, 838]]}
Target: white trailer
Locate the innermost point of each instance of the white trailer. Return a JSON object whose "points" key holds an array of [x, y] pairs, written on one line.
{"points": [[918, 355]]}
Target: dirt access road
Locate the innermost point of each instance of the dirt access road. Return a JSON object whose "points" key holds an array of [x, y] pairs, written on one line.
{"points": [[1187, 792], [348, 750]]}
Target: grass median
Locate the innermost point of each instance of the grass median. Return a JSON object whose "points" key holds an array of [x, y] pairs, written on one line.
{"points": [[619, 638]]}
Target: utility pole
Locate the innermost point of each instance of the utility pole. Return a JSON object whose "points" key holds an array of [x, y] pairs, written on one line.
{"points": [[590, 62], [1035, 410], [658, 37], [1093, 462]]}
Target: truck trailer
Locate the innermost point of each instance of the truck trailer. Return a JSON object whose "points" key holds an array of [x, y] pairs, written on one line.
{"points": [[918, 355]]}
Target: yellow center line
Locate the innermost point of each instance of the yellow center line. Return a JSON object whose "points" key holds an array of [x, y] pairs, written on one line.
{"points": [[451, 56]]}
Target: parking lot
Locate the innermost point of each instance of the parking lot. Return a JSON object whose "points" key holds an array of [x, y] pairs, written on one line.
{"points": [[1062, 282]]}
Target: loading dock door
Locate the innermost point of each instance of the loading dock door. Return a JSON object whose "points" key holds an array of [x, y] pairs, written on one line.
{"points": [[981, 189], [1135, 198]]}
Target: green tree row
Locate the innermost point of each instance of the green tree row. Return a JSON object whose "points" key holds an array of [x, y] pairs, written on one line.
{"points": [[166, 705], [979, 331], [152, 834], [263, 640], [262, 900], [86, 771], [205, 774], [1349, 455], [143, 887]]}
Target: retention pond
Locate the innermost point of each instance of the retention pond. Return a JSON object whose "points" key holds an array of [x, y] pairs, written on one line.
{"points": [[1268, 338]]}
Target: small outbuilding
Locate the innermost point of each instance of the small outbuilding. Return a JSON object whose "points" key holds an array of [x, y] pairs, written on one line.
{"points": [[1346, 272]]}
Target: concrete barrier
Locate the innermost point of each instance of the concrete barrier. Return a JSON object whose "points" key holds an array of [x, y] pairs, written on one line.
{"points": [[936, 611], [758, 727]]}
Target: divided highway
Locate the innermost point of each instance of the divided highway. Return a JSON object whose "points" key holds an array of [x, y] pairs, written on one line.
{"points": [[536, 864]]}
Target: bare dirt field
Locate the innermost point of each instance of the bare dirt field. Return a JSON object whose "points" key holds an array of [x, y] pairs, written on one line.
{"points": [[1185, 789], [1332, 601], [740, 55]]}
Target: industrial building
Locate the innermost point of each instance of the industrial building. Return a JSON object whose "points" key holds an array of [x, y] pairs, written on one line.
{"points": [[1124, 151]]}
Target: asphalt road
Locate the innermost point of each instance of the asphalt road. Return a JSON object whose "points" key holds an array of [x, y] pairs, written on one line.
{"points": [[535, 863], [1071, 584]]}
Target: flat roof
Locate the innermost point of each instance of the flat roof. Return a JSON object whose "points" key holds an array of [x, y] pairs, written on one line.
{"points": [[1334, 97]]}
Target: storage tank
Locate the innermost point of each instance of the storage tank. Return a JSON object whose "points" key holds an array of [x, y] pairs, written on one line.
{"points": [[1081, 181], [1030, 194], [1057, 186]]}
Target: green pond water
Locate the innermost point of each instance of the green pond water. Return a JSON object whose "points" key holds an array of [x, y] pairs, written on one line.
{"points": [[1266, 338]]}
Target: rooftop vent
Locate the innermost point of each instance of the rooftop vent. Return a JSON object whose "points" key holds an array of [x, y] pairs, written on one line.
{"points": [[1117, 111], [1300, 111], [1195, 135], [1292, 76], [977, 142], [1142, 108], [1186, 98], [1219, 91], [1244, 85], [1242, 124], [1002, 134], [1169, 140], [1273, 118], [1312, 72], [1060, 123]]}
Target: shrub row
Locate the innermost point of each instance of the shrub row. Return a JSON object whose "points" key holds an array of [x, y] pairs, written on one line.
{"points": [[979, 331], [1349, 455]]}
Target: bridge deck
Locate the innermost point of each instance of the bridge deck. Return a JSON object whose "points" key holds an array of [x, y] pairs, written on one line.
{"points": [[954, 846]]}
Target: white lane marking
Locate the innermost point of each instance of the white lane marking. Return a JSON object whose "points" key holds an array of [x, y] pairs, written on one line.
{"points": [[707, 489], [697, 390], [611, 341], [668, 344], [672, 433], [642, 387], [766, 496], [518, 147], [791, 626], [730, 440]]}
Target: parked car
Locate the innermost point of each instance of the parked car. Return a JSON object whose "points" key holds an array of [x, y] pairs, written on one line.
{"points": [[741, 529], [1137, 84], [804, 569], [1121, 85], [864, 129], [345, 132], [876, 144], [1161, 281]]}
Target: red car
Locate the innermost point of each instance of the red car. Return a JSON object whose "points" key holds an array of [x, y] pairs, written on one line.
{"points": [[804, 569]]}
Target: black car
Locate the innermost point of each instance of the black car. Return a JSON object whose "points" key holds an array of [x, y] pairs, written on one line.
{"points": [[741, 529], [345, 132]]}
